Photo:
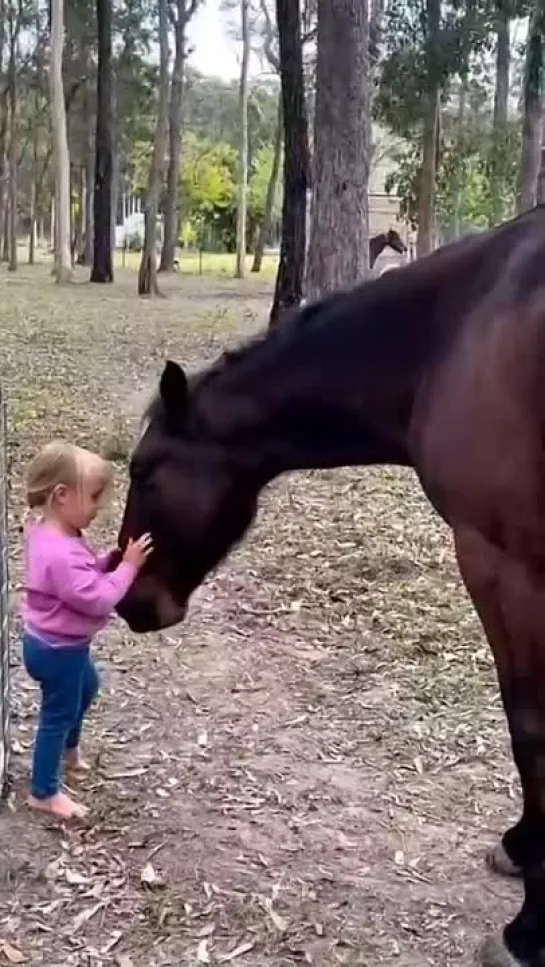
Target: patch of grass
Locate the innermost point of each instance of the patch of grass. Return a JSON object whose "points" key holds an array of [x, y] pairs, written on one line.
{"points": [[220, 264]]}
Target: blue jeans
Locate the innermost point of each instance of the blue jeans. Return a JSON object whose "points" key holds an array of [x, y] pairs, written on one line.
{"points": [[69, 683]]}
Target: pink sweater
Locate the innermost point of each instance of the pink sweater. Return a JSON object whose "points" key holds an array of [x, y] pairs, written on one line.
{"points": [[68, 596]]}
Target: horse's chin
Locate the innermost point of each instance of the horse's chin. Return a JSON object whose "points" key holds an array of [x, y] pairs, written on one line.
{"points": [[144, 615]]}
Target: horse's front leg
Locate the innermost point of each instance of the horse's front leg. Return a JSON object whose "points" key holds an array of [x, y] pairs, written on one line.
{"points": [[511, 605]]}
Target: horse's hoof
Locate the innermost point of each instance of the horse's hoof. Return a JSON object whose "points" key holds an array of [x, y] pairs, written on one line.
{"points": [[494, 953], [501, 863]]}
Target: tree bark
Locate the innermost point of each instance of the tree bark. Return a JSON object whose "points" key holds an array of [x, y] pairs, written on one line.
{"points": [[3, 124], [242, 187], [147, 276], [34, 200], [532, 117], [79, 216], [430, 135], [288, 290], [88, 248], [339, 238], [13, 136], [102, 236], [171, 213], [62, 268], [272, 188], [501, 107]]}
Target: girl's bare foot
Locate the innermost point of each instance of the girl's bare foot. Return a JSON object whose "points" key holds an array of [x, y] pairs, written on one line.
{"points": [[60, 805], [74, 761]]}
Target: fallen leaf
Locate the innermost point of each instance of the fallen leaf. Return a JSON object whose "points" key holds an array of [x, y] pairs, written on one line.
{"points": [[207, 930], [149, 877], [123, 960], [202, 740], [86, 915], [237, 952], [12, 954], [279, 922], [76, 879], [202, 952]]}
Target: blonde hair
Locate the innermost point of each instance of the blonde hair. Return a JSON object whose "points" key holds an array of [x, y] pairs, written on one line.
{"points": [[63, 463]]}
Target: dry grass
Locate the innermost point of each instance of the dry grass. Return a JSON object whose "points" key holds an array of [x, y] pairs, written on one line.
{"points": [[310, 769]]}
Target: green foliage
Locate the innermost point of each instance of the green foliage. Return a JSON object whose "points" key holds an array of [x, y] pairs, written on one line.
{"points": [[467, 196], [212, 111], [208, 188], [259, 181]]}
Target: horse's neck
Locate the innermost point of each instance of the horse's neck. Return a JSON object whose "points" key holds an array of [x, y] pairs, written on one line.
{"points": [[334, 390], [376, 246]]}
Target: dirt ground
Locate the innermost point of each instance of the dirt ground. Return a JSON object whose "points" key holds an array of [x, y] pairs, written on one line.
{"points": [[309, 770]]}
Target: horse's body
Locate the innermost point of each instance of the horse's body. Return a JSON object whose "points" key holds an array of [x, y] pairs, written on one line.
{"points": [[390, 239], [439, 366]]}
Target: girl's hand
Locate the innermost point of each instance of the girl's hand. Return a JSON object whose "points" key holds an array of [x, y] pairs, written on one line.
{"points": [[137, 552]]}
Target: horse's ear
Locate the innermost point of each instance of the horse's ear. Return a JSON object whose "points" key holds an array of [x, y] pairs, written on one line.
{"points": [[174, 390]]}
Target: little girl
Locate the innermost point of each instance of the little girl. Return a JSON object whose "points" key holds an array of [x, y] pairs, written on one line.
{"points": [[69, 594]]}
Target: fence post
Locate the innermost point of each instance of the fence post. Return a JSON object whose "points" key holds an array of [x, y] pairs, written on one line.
{"points": [[4, 604]]}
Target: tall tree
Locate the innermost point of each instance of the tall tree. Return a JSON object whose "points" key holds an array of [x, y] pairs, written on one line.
{"points": [[430, 132], [180, 15], [339, 240], [36, 132], [14, 26], [501, 107], [288, 290], [3, 123], [62, 267], [242, 178], [102, 236], [272, 187], [147, 276], [532, 116]]}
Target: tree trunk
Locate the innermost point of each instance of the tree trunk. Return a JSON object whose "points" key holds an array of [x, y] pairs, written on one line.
{"points": [[147, 276], [242, 187], [62, 268], [102, 236], [532, 117], [34, 200], [5, 236], [457, 219], [13, 139], [272, 188], [288, 290], [540, 193], [79, 216], [338, 252], [88, 248], [171, 214], [115, 191], [501, 111], [3, 125], [430, 135]]}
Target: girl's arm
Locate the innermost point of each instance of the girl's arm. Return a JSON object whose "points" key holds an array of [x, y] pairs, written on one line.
{"points": [[109, 560], [81, 585]]}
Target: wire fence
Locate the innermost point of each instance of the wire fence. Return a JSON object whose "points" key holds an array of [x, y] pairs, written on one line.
{"points": [[4, 603]]}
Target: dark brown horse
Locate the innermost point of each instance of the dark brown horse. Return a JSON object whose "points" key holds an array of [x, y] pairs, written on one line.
{"points": [[439, 366], [390, 239]]}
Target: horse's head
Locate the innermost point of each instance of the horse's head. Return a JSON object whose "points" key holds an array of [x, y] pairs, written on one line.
{"points": [[195, 499], [395, 242]]}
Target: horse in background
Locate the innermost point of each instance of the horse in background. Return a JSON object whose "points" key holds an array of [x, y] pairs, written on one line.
{"points": [[390, 239]]}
